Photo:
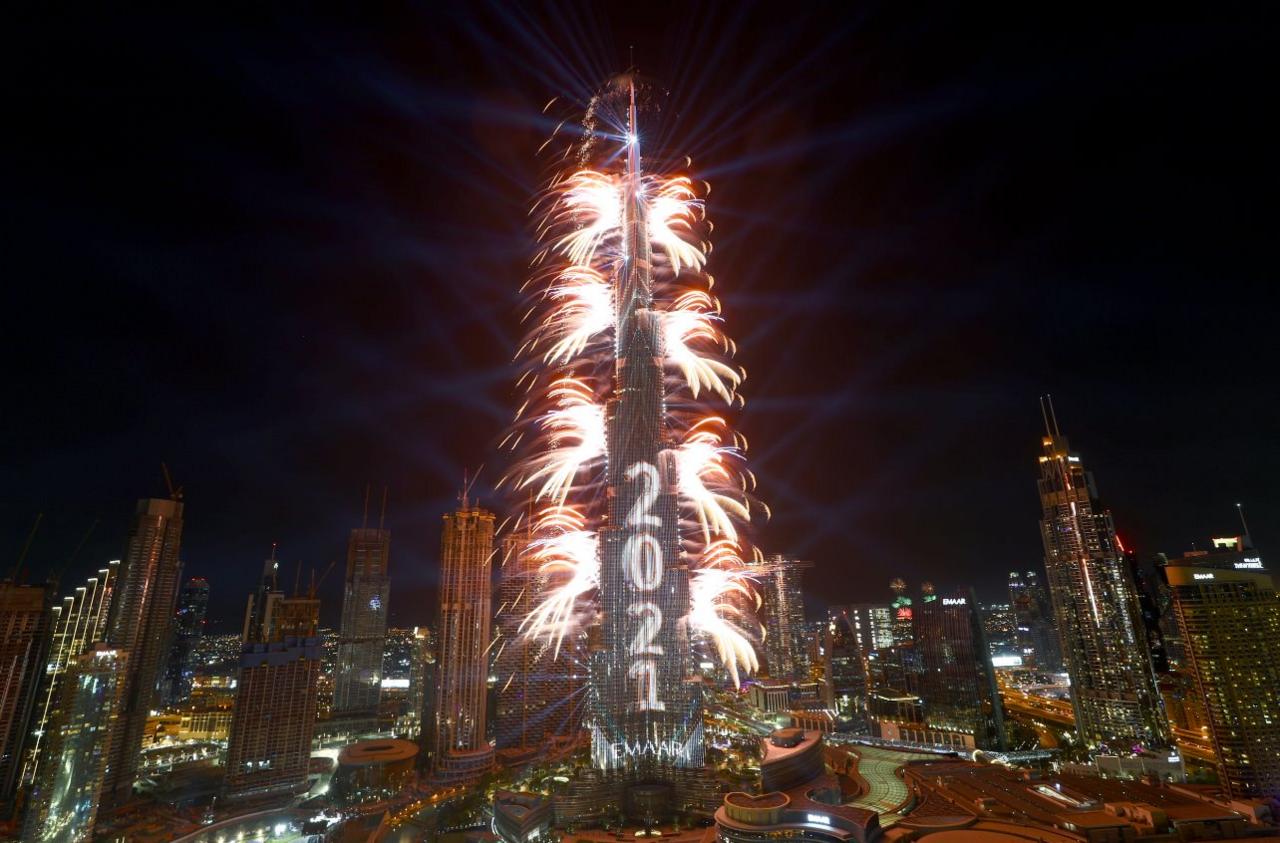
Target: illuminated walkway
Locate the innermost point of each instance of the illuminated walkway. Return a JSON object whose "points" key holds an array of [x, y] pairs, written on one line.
{"points": [[885, 791]]}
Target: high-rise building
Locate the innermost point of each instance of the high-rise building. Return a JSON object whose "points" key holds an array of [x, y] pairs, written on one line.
{"points": [[188, 628], [903, 614], [466, 564], [845, 668], [1146, 588], [1168, 622], [269, 745], [77, 623], [422, 658], [363, 635], [957, 682], [24, 641], [69, 786], [515, 655], [255, 613], [141, 617], [1228, 614], [1095, 604], [1001, 628], [646, 717], [785, 643], [539, 689], [1033, 615], [872, 623]]}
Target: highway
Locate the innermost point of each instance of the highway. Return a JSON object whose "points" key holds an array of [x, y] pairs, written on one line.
{"points": [[1033, 709]]}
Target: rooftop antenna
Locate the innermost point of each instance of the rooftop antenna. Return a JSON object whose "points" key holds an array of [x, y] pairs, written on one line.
{"points": [[364, 522], [383, 517], [466, 486], [297, 577], [17, 566], [1248, 539], [1053, 416], [1044, 414]]}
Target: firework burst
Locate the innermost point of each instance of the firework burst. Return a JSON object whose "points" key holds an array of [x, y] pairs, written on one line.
{"points": [[586, 219]]}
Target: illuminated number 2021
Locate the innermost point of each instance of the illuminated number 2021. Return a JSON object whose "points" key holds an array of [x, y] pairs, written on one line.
{"points": [[643, 558], [646, 670], [650, 622]]}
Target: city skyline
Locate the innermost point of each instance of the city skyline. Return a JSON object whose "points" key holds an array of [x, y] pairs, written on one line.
{"points": [[718, 515], [916, 398]]}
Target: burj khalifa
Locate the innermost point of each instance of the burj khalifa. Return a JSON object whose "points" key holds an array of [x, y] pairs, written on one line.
{"points": [[646, 717]]}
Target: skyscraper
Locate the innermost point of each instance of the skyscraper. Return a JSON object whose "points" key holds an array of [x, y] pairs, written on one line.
{"points": [[24, 641], [646, 716], [366, 598], [785, 640], [466, 564], [1033, 614], [1001, 628], [141, 617], [538, 690], [642, 501], [1146, 587], [957, 682], [255, 613], [69, 786], [845, 667], [421, 685], [903, 614], [188, 628], [1228, 614], [77, 623], [872, 623], [269, 746], [515, 655], [1095, 604]]}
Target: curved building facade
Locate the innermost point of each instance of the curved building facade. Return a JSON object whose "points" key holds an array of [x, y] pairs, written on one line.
{"points": [[800, 799], [372, 770]]}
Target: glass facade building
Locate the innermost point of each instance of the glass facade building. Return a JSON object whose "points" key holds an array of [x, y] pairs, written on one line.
{"points": [[363, 635], [188, 628], [785, 641], [77, 622], [68, 787], [1095, 605], [24, 638], [1228, 614], [141, 619], [462, 748], [646, 715], [956, 680], [1033, 615]]}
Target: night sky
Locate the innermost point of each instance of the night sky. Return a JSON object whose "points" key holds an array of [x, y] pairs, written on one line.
{"points": [[280, 251]]}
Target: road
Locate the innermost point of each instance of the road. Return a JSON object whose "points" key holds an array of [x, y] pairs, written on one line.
{"points": [[1059, 712]]}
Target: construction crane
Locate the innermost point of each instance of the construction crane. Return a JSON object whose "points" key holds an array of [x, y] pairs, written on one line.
{"points": [[315, 584], [174, 494], [22, 557]]}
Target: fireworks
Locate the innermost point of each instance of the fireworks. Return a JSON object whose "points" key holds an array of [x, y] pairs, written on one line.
{"points": [[623, 248]]}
